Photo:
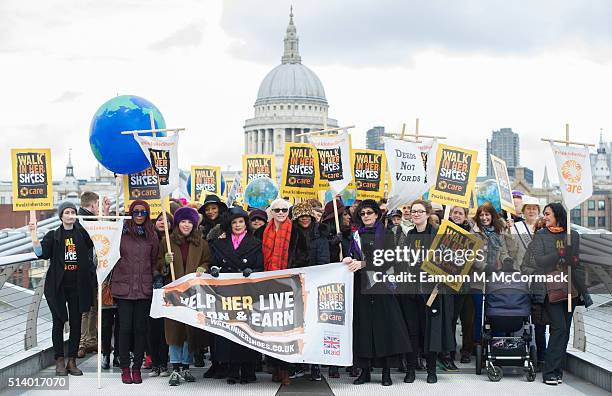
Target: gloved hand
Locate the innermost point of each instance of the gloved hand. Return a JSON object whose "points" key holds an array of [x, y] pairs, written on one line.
{"points": [[200, 271], [247, 272], [214, 271], [169, 258]]}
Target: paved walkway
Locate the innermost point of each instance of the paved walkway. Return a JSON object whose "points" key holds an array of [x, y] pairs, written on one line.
{"points": [[463, 383]]}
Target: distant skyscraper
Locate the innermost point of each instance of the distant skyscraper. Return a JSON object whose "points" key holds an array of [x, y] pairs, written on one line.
{"points": [[504, 144], [374, 138]]}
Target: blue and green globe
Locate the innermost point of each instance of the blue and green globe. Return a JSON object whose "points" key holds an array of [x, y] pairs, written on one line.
{"points": [[348, 196], [260, 192], [116, 152]]}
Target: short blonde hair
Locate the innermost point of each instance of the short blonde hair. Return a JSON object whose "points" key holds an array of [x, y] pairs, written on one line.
{"points": [[280, 203]]}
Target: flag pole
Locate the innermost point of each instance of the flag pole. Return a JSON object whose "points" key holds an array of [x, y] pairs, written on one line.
{"points": [[164, 216], [568, 142]]}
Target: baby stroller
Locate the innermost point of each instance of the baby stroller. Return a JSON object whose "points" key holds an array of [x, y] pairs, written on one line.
{"points": [[506, 310]]}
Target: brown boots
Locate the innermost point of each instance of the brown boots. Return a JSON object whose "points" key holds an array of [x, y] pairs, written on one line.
{"points": [[281, 376], [60, 367], [72, 368]]}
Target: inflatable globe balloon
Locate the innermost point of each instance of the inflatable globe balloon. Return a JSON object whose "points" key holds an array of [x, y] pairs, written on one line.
{"points": [[348, 195], [116, 152], [487, 191], [260, 193]]}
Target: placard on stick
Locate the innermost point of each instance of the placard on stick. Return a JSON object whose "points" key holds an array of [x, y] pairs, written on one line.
{"points": [[455, 178], [255, 166], [143, 185], [205, 180], [300, 176], [503, 184], [32, 179], [369, 168]]}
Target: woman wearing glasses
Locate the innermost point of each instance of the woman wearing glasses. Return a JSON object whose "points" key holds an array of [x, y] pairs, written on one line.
{"points": [[132, 287], [430, 328], [275, 241], [379, 331]]}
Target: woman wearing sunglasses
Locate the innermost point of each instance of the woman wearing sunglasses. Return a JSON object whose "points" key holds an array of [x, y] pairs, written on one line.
{"points": [[431, 328], [276, 238], [132, 287], [379, 332]]}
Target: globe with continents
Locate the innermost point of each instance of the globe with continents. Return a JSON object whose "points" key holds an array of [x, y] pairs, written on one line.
{"points": [[487, 191], [260, 192], [116, 152], [348, 196]]}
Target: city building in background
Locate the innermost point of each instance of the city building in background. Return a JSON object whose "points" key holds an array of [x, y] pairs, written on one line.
{"points": [[290, 101], [504, 144], [374, 138]]}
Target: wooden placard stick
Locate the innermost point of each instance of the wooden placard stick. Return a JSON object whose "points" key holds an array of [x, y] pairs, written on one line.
{"points": [[416, 135], [164, 216], [432, 296], [567, 142], [153, 131], [325, 131], [33, 233]]}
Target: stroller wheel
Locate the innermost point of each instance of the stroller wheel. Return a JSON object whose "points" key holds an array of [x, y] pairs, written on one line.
{"points": [[478, 359], [531, 374], [495, 373]]}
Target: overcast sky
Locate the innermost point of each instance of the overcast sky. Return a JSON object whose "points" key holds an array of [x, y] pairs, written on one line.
{"points": [[464, 68]]}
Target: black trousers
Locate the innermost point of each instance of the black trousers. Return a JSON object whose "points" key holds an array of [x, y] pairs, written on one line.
{"points": [[133, 316], [560, 325], [110, 321], [158, 347], [540, 340], [74, 319]]}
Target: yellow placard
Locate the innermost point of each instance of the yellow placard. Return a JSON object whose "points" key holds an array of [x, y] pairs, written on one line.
{"points": [[32, 179], [369, 173], [255, 166], [455, 177], [451, 246], [205, 180], [143, 186], [503, 184], [300, 178]]}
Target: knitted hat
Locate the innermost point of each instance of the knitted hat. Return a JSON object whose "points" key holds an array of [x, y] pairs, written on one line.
{"points": [[258, 214], [302, 209], [328, 212], [186, 213], [63, 206]]}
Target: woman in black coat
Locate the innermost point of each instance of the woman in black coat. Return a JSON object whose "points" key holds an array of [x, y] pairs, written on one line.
{"points": [[552, 253], [380, 336], [431, 328], [213, 211], [238, 252], [70, 280], [308, 247]]}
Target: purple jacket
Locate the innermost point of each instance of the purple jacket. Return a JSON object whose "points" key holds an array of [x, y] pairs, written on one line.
{"points": [[133, 274]]}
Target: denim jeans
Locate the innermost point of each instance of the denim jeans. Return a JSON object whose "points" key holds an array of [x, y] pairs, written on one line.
{"points": [[180, 354]]}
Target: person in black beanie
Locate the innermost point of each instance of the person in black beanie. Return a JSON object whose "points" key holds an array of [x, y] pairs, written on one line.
{"points": [[258, 219], [69, 281], [238, 252]]}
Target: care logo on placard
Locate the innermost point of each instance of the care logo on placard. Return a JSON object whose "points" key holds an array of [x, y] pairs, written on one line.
{"points": [[331, 303], [331, 344], [571, 171]]}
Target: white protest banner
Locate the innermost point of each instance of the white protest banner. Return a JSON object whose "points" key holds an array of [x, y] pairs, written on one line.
{"points": [[428, 153], [162, 153], [406, 171], [106, 236], [334, 159], [302, 315], [574, 169]]}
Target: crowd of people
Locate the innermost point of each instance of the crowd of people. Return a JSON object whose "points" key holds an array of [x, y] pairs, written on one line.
{"points": [[391, 329]]}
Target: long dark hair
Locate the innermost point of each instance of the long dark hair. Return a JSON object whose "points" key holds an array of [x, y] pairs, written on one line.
{"points": [[496, 222], [559, 212]]}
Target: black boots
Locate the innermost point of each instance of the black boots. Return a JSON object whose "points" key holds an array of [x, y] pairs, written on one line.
{"points": [[364, 377], [432, 378], [410, 376], [386, 377], [105, 362]]}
